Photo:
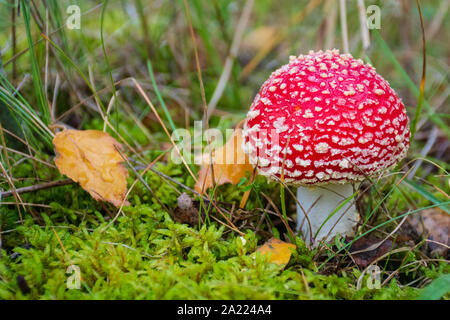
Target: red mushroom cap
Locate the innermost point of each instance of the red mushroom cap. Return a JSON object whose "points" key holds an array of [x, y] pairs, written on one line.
{"points": [[325, 118]]}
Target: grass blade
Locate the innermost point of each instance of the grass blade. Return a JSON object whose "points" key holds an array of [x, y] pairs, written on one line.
{"points": [[421, 190], [437, 289], [36, 75], [158, 95]]}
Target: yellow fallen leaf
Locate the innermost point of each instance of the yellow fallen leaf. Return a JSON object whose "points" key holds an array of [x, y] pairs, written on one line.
{"points": [[230, 164], [90, 158], [280, 251]]}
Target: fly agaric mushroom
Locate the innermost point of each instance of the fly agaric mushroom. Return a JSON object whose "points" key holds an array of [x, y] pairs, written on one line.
{"points": [[325, 122]]}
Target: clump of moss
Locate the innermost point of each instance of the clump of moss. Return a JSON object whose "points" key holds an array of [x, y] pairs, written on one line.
{"points": [[145, 255]]}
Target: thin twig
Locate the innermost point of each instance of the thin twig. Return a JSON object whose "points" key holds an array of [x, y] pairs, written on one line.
{"points": [[37, 187], [197, 61], [144, 182], [363, 24], [344, 30], [330, 24]]}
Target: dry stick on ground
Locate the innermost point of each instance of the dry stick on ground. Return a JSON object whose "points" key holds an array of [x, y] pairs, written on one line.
{"points": [[37, 187], [230, 59]]}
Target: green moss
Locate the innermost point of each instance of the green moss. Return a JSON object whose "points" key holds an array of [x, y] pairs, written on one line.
{"points": [[144, 254]]}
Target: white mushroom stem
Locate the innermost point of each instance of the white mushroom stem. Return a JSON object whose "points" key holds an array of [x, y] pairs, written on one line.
{"points": [[319, 203]]}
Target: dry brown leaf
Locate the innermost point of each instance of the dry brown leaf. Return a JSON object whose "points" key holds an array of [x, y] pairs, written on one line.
{"points": [[433, 225], [362, 251], [230, 164], [280, 251], [90, 158]]}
